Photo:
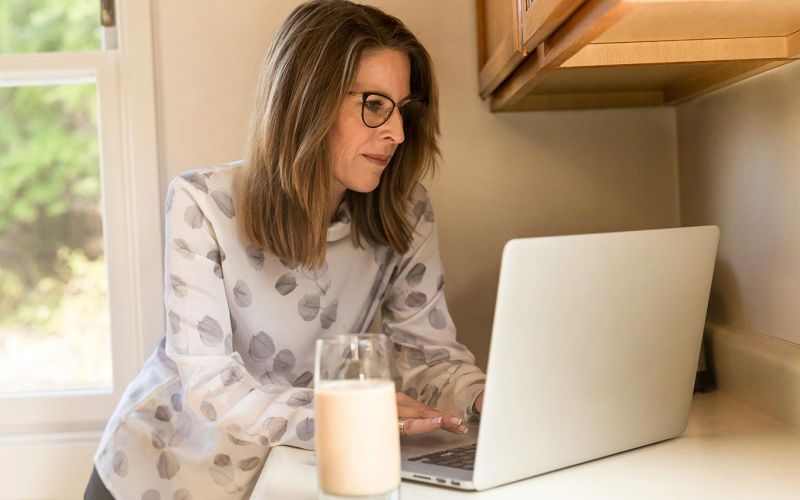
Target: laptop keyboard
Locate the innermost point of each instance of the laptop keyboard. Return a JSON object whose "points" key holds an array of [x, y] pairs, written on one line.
{"points": [[459, 458]]}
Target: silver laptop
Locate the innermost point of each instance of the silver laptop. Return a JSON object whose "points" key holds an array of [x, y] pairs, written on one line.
{"points": [[594, 351]]}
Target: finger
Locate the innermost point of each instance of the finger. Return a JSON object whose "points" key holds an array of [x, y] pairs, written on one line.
{"points": [[409, 407], [403, 398], [418, 426], [417, 412], [454, 424]]}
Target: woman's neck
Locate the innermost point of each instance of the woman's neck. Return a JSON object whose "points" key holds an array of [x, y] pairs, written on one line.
{"points": [[337, 195]]}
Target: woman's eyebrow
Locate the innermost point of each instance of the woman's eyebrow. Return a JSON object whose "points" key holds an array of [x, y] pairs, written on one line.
{"points": [[409, 96]]}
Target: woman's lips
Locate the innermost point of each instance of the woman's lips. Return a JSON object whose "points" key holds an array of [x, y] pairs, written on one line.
{"points": [[378, 160]]}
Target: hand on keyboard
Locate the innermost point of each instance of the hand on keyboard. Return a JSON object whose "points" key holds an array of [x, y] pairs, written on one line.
{"points": [[421, 418]]}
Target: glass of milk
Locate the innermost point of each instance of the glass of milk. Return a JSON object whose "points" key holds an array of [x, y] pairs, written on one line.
{"points": [[356, 434]]}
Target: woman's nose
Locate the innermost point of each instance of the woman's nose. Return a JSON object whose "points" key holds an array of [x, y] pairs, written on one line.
{"points": [[393, 128]]}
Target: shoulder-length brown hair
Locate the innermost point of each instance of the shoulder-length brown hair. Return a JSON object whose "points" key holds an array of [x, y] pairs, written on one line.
{"points": [[284, 189]]}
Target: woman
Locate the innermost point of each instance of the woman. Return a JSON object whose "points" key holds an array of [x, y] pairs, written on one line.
{"points": [[323, 224]]}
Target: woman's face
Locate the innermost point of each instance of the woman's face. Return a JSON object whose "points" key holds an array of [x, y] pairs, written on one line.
{"points": [[360, 153]]}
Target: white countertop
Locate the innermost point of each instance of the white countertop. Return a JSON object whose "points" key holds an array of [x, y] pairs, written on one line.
{"points": [[729, 451]]}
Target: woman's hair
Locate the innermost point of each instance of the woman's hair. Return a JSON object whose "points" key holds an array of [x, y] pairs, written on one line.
{"points": [[284, 189]]}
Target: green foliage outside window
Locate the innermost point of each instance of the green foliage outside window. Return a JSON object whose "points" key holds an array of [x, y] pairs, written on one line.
{"points": [[51, 249]]}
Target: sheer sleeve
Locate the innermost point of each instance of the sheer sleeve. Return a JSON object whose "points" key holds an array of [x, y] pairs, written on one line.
{"points": [[433, 366], [200, 332]]}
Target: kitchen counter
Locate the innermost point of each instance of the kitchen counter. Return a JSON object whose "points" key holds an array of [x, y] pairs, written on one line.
{"points": [[729, 450]]}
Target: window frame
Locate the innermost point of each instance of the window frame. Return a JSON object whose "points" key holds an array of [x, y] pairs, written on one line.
{"points": [[132, 223]]}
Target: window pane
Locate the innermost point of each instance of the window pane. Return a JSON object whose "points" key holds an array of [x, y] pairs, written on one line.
{"points": [[54, 320], [49, 25]]}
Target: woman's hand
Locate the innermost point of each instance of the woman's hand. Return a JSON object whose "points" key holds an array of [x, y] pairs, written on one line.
{"points": [[421, 418]]}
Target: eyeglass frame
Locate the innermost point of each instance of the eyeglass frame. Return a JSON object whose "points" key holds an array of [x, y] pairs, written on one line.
{"points": [[365, 96]]}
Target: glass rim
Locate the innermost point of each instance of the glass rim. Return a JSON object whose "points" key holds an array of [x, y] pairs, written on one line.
{"points": [[377, 342], [347, 338]]}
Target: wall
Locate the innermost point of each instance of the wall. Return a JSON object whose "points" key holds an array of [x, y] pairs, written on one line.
{"points": [[502, 176], [739, 157]]}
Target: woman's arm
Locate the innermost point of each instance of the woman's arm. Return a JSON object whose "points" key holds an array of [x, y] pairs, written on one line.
{"points": [[433, 366], [200, 333]]}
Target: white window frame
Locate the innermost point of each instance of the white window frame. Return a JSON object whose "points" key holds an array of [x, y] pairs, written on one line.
{"points": [[65, 427]]}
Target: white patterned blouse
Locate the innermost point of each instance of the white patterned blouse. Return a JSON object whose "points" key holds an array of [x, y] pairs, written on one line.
{"points": [[233, 375]]}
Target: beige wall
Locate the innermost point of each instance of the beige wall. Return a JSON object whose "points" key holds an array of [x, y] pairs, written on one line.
{"points": [[502, 176], [739, 156]]}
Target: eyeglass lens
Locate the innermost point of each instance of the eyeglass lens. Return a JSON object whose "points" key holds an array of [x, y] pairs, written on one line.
{"points": [[377, 109]]}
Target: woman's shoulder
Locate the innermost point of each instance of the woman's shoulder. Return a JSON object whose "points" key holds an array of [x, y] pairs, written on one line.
{"points": [[224, 175], [419, 192], [420, 204], [210, 184]]}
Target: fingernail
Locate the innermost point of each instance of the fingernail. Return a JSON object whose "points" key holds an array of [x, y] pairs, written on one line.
{"points": [[437, 420], [455, 420], [463, 430]]}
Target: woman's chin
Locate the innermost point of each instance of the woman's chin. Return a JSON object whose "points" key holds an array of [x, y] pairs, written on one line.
{"points": [[365, 185]]}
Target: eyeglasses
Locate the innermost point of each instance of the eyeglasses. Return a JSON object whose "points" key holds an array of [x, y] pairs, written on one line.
{"points": [[377, 108]]}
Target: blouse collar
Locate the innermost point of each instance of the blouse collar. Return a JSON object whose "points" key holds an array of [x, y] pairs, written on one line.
{"points": [[340, 227]]}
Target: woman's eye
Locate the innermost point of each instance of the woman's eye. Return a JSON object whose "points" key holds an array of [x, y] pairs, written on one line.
{"points": [[374, 106]]}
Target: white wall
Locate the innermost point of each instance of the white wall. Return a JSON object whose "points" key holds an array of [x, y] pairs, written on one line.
{"points": [[502, 176], [739, 155]]}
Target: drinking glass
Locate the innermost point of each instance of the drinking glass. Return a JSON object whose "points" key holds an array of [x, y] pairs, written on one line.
{"points": [[356, 437]]}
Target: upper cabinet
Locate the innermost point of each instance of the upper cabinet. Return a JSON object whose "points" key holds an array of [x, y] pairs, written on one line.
{"points": [[569, 54]]}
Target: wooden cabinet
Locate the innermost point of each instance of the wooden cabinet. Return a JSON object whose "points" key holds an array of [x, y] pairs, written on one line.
{"points": [[567, 54], [541, 17], [499, 43]]}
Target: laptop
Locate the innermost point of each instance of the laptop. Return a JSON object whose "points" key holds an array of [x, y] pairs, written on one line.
{"points": [[594, 350]]}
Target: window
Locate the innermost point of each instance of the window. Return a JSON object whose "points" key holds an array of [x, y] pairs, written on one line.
{"points": [[79, 228], [54, 319], [80, 231]]}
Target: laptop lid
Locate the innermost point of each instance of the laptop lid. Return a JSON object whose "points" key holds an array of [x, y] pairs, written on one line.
{"points": [[594, 347]]}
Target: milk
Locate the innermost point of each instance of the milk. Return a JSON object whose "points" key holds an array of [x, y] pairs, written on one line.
{"points": [[357, 439]]}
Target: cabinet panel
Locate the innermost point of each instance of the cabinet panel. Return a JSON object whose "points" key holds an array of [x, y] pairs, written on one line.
{"points": [[499, 42], [697, 20], [542, 17], [612, 53]]}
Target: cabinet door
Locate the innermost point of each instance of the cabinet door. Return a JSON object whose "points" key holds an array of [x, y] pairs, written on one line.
{"points": [[499, 41], [541, 17], [618, 53]]}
